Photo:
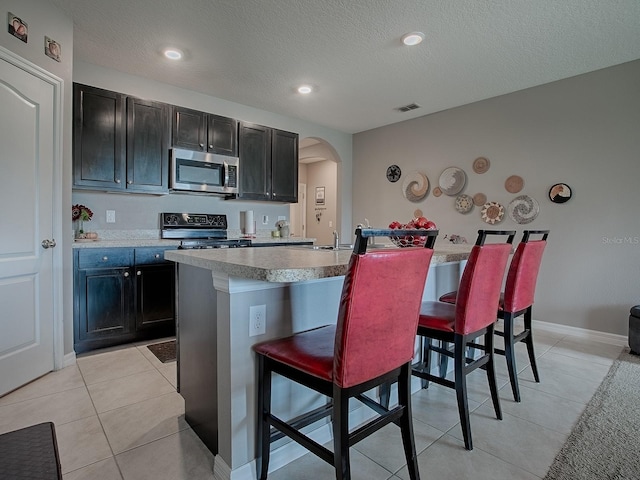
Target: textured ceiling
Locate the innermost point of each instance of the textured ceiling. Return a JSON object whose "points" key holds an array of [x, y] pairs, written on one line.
{"points": [[255, 52]]}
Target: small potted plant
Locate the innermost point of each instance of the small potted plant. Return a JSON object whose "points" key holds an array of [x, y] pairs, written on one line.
{"points": [[82, 214]]}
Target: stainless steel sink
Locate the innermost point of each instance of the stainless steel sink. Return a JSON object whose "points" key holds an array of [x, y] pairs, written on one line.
{"points": [[342, 246]]}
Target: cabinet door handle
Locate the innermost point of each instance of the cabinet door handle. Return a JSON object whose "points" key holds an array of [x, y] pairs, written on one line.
{"points": [[117, 180], [202, 145], [126, 274], [157, 255], [129, 182], [105, 258], [211, 147], [138, 273]]}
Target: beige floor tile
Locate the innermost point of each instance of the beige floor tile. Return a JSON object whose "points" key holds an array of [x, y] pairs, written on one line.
{"points": [[169, 371], [310, 467], [181, 456], [437, 406], [577, 367], [112, 364], [60, 408], [447, 459], [562, 385], [514, 440], [81, 443], [550, 411], [143, 422], [385, 446], [128, 390], [102, 470], [66, 379]]}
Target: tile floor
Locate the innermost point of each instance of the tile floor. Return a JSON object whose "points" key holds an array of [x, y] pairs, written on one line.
{"points": [[118, 417]]}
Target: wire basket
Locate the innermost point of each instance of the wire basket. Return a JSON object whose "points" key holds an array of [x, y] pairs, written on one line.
{"points": [[409, 240]]}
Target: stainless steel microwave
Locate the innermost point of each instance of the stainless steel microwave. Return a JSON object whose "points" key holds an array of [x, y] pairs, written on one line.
{"points": [[204, 172]]}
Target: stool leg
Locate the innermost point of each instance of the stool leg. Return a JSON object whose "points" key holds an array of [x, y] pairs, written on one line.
{"points": [[341, 434], [510, 354], [263, 434], [385, 394], [426, 360], [443, 361], [491, 371], [529, 342], [406, 422], [461, 389]]}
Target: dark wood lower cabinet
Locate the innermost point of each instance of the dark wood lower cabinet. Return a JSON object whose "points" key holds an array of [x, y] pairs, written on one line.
{"points": [[117, 301]]}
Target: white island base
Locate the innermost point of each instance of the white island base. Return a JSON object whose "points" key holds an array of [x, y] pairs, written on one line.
{"points": [[216, 365]]}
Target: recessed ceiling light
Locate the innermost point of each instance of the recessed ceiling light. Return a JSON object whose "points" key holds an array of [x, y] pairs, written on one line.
{"points": [[173, 54], [305, 89], [413, 38]]}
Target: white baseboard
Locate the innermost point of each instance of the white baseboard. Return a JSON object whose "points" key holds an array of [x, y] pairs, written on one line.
{"points": [[604, 337], [69, 359]]}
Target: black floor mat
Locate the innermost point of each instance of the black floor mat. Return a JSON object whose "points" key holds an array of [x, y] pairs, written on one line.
{"points": [[165, 351], [30, 453]]}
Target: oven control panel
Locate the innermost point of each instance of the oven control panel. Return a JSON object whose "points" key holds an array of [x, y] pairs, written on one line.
{"points": [[193, 220]]}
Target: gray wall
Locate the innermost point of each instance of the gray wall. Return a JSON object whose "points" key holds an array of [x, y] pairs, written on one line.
{"points": [[584, 131]]}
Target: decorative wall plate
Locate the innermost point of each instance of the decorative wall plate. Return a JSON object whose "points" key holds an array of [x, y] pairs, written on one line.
{"points": [[492, 212], [523, 209], [417, 213], [481, 165], [464, 203], [437, 192], [452, 181], [393, 173], [479, 199], [560, 193], [415, 186], [514, 184]]}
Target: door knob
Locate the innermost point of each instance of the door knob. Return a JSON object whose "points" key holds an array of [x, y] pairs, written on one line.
{"points": [[48, 243], [126, 274]]}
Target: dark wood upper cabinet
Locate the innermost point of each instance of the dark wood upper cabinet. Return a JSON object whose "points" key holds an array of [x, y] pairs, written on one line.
{"points": [[119, 143], [204, 132], [284, 166], [98, 138], [268, 164], [147, 145]]}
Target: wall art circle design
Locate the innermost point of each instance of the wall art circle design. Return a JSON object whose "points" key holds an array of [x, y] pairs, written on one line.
{"points": [[437, 192], [523, 209], [514, 184], [492, 212], [394, 173], [415, 186], [464, 203], [479, 199], [452, 181], [481, 165], [560, 193]]}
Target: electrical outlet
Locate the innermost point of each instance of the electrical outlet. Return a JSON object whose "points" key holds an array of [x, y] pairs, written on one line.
{"points": [[111, 216], [265, 219], [257, 320]]}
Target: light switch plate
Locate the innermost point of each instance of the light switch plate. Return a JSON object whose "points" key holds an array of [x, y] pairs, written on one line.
{"points": [[111, 216]]}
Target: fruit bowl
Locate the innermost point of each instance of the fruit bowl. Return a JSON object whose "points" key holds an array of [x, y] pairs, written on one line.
{"points": [[409, 241]]}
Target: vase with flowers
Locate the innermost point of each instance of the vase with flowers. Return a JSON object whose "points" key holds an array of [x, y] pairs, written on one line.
{"points": [[81, 214]]}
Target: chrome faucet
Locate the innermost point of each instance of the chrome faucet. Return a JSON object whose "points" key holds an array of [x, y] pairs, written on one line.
{"points": [[336, 240]]}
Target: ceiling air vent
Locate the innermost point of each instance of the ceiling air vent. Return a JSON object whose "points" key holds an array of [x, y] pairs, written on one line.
{"points": [[408, 108]]}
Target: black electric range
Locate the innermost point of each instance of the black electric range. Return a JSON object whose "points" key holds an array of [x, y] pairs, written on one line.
{"points": [[199, 230]]}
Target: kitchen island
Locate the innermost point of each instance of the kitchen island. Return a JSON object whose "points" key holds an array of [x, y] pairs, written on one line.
{"points": [[300, 289]]}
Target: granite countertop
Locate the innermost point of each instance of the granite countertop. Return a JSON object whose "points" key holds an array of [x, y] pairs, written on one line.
{"points": [[289, 264]]}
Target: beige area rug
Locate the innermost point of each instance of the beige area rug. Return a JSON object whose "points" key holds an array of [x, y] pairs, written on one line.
{"points": [[605, 443]]}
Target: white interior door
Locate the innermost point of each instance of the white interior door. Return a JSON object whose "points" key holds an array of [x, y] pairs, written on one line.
{"points": [[298, 213], [27, 146]]}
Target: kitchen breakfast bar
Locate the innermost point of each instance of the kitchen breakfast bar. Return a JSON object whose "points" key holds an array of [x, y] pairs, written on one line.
{"points": [[300, 289]]}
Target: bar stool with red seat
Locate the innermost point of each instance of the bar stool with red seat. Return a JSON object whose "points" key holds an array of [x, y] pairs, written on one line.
{"points": [[517, 299], [473, 314], [372, 343]]}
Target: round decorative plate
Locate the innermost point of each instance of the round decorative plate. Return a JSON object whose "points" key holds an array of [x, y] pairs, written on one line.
{"points": [[514, 184], [479, 199], [417, 213], [415, 186], [437, 192], [560, 193], [464, 203], [481, 165], [492, 212], [393, 173], [452, 181], [523, 209]]}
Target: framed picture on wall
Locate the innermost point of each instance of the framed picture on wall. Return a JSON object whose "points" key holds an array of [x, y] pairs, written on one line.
{"points": [[52, 49], [17, 27], [319, 195]]}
